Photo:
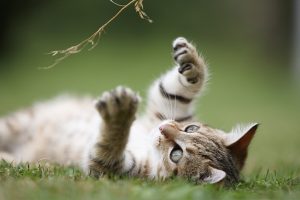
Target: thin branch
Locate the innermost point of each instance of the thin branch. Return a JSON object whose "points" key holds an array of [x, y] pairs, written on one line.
{"points": [[93, 40], [117, 4]]}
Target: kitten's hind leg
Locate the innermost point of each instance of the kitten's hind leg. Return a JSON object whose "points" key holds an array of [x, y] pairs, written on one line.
{"points": [[6, 131], [117, 109], [7, 157]]}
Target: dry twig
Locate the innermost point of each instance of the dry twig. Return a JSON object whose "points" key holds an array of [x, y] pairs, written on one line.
{"points": [[94, 38]]}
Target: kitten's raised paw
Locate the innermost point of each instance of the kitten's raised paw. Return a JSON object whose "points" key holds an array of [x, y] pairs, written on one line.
{"points": [[183, 51], [118, 105], [190, 64]]}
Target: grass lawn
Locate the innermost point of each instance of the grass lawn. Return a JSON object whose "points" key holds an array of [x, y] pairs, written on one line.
{"points": [[54, 182], [245, 87]]}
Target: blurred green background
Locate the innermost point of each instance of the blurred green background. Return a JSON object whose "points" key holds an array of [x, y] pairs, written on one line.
{"points": [[250, 47]]}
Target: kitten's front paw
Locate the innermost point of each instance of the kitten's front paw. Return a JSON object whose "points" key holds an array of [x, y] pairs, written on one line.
{"points": [[190, 63], [118, 105]]}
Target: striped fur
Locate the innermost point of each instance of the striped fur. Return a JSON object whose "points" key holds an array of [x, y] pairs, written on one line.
{"points": [[111, 139]]}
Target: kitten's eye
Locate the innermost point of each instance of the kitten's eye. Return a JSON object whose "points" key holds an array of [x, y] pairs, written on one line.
{"points": [[176, 154], [191, 128]]}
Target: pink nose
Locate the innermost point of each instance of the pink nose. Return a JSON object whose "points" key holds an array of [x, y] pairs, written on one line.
{"points": [[168, 130], [163, 128]]}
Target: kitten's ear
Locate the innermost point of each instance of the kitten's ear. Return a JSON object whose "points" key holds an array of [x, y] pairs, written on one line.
{"points": [[238, 140], [215, 176]]}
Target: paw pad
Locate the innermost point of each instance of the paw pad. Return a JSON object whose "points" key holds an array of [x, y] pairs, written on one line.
{"points": [[118, 102], [190, 64]]}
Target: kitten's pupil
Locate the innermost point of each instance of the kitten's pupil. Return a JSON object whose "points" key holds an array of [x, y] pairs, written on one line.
{"points": [[191, 128]]}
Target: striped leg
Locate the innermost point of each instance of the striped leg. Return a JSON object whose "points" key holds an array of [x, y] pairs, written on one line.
{"points": [[117, 109], [172, 96]]}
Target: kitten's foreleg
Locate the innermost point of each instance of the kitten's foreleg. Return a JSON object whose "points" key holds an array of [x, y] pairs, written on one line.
{"points": [[172, 96], [117, 109]]}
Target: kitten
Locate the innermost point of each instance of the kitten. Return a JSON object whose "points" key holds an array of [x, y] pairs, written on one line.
{"points": [[163, 142]]}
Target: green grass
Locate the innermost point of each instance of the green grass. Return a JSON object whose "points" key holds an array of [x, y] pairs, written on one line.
{"points": [[54, 182], [246, 86]]}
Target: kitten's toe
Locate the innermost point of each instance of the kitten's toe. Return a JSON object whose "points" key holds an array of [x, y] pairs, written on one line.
{"points": [[102, 104], [190, 71], [179, 43], [185, 68], [128, 99]]}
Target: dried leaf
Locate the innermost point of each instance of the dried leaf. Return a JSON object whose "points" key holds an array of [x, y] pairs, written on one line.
{"points": [[139, 8]]}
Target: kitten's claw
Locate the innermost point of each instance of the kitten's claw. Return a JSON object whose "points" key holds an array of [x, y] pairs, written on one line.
{"points": [[118, 104], [190, 63]]}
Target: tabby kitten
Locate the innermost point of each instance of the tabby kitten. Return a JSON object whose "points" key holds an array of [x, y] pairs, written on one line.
{"points": [[163, 142]]}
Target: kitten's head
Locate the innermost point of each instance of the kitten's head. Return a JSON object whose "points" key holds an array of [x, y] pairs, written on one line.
{"points": [[203, 154]]}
